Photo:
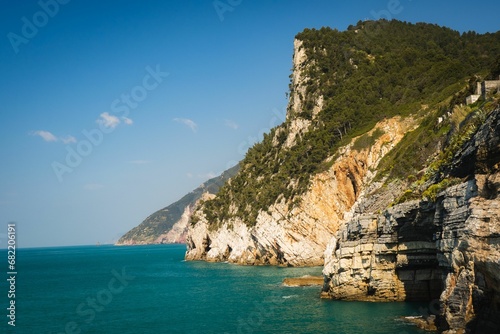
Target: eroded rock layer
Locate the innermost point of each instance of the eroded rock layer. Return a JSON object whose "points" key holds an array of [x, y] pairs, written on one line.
{"points": [[447, 249], [297, 236]]}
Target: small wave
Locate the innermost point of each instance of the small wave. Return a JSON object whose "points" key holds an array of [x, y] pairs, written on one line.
{"points": [[290, 296]]}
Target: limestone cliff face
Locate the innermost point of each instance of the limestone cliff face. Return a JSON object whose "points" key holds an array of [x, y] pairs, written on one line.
{"points": [[297, 125], [299, 80], [447, 249], [297, 235], [470, 246], [287, 207]]}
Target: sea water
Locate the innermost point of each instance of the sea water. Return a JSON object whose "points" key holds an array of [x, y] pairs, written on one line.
{"points": [[151, 289]]}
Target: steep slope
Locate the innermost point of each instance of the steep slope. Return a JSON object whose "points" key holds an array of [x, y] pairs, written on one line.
{"points": [[297, 235], [169, 225], [444, 246], [353, 95], [379, 171]]}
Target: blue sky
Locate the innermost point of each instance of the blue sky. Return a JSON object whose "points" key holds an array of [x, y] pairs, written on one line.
{"points": [[111, 110]]}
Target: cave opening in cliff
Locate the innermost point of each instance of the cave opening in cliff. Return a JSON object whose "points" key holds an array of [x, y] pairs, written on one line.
{"points": [[421, 284]]}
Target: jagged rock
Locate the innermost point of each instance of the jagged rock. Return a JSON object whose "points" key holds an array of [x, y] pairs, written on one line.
{"points": [[443, 248], [479, 155], [303, 281], [419, 250], [298, 236], [427, 324]]}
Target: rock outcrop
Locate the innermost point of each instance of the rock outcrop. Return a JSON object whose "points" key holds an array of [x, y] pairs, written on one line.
{"points": [[303, 281], [447, 249], [309, 195], [291, 233], [299, 96], [297, 236]]}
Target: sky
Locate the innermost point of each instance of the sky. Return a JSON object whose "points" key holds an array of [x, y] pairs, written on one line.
{"points": [[111, 110]]}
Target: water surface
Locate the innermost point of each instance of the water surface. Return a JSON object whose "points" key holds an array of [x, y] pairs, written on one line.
{"points": [[151, 289]]}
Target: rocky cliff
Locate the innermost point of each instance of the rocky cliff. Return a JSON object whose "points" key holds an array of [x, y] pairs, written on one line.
{"points": [[379, 173], [297, 236], [446, 249]]}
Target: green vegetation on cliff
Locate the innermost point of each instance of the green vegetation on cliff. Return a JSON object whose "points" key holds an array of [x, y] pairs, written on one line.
{"points": [[374, 70], [164, 219]]}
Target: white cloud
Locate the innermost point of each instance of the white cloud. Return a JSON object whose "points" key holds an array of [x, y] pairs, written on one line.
{"points": [[233, 125], [187, 122], [108, 120], [93, 186], [68, 139], [46, 135], [49, 137], [202, 176], [127, 121], [211, 175], [140, 162]]}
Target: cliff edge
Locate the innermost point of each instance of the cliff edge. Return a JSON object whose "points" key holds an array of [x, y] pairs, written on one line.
{"points": [[446, 249], [380, 173]]}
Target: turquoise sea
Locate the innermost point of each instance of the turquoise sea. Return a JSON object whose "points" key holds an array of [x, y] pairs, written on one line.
{"points": [[151, 289]]}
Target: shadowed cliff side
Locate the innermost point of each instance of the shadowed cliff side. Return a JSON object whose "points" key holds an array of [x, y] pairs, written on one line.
{"points": [[380, 163], [447, 248], [297, 187], [298, 235]]}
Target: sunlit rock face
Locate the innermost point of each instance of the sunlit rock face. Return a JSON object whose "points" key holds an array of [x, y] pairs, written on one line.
{"points": [[447, 249]]}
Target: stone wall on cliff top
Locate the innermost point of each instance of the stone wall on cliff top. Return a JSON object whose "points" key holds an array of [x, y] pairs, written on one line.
{"points": [[447, 249]]}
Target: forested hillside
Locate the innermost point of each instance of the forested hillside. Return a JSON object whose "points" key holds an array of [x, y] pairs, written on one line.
{"points": [[372, 71], [381, 173]]}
